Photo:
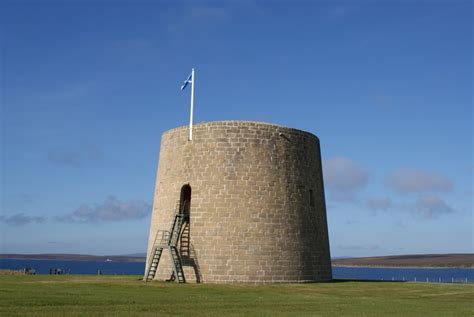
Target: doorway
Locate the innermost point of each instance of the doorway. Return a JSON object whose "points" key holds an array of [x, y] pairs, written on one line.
{"points": [[187, 251], [185, 201]]}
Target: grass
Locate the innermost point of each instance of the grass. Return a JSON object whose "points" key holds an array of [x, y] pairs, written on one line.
{"points": [[87, 295]]}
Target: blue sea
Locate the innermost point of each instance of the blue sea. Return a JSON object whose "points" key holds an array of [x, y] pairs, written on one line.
{"points": [[434, 275], [76, 267]]}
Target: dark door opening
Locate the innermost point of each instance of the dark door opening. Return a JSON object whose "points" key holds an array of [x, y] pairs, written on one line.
{"points": [[185, 201], [188, 254]]}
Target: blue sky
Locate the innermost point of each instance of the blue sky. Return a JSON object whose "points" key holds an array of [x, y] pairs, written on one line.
{"points": [[88, 87]]}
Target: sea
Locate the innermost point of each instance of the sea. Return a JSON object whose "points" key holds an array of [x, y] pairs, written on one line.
{"points": [[431, 275]]}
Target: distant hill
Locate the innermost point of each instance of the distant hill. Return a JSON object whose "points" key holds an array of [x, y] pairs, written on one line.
{"points": [[414, 260], [74, 257], [136, 255]]}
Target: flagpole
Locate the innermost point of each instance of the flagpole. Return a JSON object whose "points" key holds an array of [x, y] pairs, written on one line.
{"points": [[192, 107]]}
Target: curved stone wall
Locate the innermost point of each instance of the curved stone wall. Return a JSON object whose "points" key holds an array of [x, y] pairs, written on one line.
{"points": [[257, 211]]}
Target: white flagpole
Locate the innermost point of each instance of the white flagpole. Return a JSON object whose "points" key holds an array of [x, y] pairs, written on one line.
{"points": [[192, 107]]}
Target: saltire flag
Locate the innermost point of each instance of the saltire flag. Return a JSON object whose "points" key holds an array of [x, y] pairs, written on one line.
{"points": [[187, 81]]}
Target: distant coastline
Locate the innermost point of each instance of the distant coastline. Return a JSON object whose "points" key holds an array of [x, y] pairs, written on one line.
{"points": [[403, 267], [454, 260], [74, 257], [458, 260]]}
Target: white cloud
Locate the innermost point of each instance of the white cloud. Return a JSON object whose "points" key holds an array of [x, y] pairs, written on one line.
{"points": [[111, 209], [430, 207], [20, 219], [416, 181], [341, 11], [208, 12], [344, 178], [379, 203], [75, 157], [426, 206]]}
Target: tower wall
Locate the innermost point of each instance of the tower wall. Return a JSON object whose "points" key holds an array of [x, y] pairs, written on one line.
{"points": [[257, 211]]}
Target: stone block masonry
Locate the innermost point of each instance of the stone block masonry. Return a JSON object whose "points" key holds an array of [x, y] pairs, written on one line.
{"points": [[257, 211]]}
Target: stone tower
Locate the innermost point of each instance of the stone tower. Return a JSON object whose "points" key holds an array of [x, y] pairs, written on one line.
{"points": [[254, 201]]}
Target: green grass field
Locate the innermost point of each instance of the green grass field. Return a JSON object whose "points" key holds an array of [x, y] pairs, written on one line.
{"points": [[86, 295]]}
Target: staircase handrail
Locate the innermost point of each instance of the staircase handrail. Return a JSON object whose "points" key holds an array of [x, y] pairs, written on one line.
{"points": [[163, 238]]}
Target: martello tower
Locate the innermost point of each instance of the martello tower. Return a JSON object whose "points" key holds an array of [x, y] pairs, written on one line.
{"points": [[241, 202]]}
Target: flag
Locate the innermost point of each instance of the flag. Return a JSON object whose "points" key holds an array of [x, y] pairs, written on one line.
{"points": [[187, 81]]}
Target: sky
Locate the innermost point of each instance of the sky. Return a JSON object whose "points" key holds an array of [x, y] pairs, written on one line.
{"points": [[88, 87]]}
